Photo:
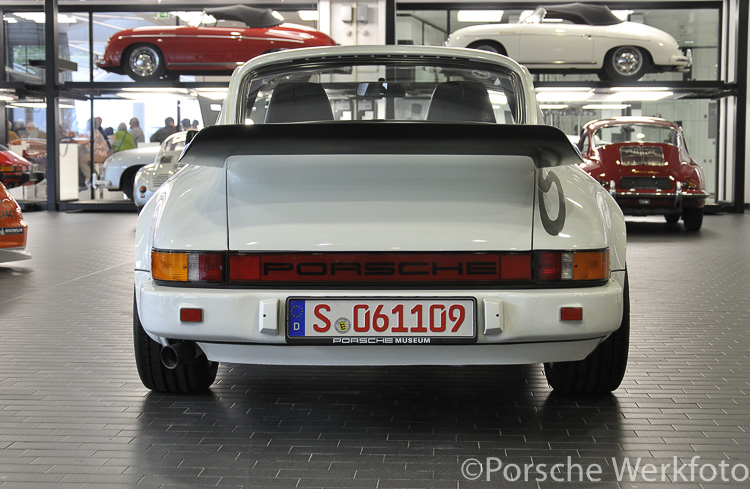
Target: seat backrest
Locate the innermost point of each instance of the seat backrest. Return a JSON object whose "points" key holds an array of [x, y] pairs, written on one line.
{"points": [[460, 102], [298, 102]]}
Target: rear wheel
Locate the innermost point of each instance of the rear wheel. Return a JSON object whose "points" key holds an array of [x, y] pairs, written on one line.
{"points": [[187, 378], [625, 63], [602, 371], [692, 218], [128, 180], [143, 62], [672, 218]]}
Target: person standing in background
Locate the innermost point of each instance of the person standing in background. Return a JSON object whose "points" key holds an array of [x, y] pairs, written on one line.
{"points": [[123, 139], [136, 131], [162, 134]]}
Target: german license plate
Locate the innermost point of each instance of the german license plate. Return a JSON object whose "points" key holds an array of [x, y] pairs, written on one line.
{"points": [[381, 321]]}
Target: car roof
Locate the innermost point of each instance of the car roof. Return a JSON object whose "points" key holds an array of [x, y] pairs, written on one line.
{"points": [[250, 16], [580, 13]]}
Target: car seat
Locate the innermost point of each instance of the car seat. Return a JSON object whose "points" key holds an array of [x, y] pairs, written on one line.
{"points": [[298, 102], [460, 102]]}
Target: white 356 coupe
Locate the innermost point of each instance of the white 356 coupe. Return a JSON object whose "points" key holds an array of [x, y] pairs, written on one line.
{"points": [[579, 37], [319, 224]]}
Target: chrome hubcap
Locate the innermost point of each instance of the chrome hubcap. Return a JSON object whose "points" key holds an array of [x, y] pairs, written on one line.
{"points": [[628, 61], [143, 62]]}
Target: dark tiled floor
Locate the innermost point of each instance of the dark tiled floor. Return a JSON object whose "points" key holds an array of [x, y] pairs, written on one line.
{"points": [[74, 414]]}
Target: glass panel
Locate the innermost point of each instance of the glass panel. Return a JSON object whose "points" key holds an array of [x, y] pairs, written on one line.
{"points": [[372, 89], [28, 140]]}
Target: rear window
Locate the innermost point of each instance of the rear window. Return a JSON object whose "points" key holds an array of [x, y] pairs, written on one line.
{"points": [[392, 88], [636, 133]]}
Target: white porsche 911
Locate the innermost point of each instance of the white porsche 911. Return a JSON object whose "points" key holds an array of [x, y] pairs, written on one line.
{"points": [[324, 222], [583, 37]]}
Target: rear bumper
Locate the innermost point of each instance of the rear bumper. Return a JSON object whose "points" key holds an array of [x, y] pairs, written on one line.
{"points": [[639, 202], [527, 330], [14, 179]]}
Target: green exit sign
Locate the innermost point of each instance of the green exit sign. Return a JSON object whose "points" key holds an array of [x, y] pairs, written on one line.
{"points": [[161, 15]]}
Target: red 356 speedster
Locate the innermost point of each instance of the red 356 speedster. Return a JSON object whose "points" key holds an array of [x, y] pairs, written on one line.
{"points": [[645, 164], [149, 53]]}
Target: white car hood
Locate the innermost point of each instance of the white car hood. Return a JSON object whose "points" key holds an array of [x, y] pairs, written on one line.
{"points": [[379, 202]]}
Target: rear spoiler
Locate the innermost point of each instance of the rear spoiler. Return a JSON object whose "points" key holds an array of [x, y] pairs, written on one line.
{"points": [[546, 145]]}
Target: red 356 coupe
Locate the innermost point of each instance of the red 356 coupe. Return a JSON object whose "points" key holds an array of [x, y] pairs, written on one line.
{"points": [[645, 164], [239, 33], [16, 171]]}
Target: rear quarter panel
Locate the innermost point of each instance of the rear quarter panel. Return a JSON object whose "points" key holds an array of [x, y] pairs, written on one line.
{"points": [[573, 212]]}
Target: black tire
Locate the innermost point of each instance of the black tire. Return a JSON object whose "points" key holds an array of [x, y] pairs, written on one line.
{"points": [[602, 371], [672, 218], [625, 63], [489, 46], [143, 62], [187, 378], [127, 180], [692, 218]]}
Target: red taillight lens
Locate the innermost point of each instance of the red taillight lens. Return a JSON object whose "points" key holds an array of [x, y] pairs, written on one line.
{"points": [[548, 266], [515, 267], [209, 267], [244, 268]]}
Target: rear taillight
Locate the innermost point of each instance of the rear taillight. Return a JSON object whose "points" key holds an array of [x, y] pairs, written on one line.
{"points": [[572, 266], [189, 267]]}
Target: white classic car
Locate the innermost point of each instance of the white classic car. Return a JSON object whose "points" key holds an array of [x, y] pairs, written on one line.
{"points": [[317, 225], [581, 37], [152, 176], [119, 169]]}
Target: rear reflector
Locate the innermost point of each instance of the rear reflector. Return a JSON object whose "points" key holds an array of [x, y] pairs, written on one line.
{"points": [[571, 314], [189, 315]]}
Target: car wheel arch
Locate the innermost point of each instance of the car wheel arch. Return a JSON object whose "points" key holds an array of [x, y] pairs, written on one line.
{"points": [[483, 44], [127, 179]]}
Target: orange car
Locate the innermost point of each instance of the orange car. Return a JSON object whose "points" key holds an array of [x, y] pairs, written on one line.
{"points": [[12, 229]]}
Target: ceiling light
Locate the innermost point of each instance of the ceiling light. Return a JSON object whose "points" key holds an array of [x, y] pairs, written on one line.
{"points": [[639, 95], [480, 15], [605, 106], [180, 91], [567, 89], [564, 96], [639, 89], [553, 106]]}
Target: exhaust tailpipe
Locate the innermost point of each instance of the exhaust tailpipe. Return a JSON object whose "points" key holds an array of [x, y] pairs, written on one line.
{"points": [[177, 353]]}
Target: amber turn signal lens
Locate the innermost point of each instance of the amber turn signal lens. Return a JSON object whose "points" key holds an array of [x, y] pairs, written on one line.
{"points": [[169, 266], [591, 265]]}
